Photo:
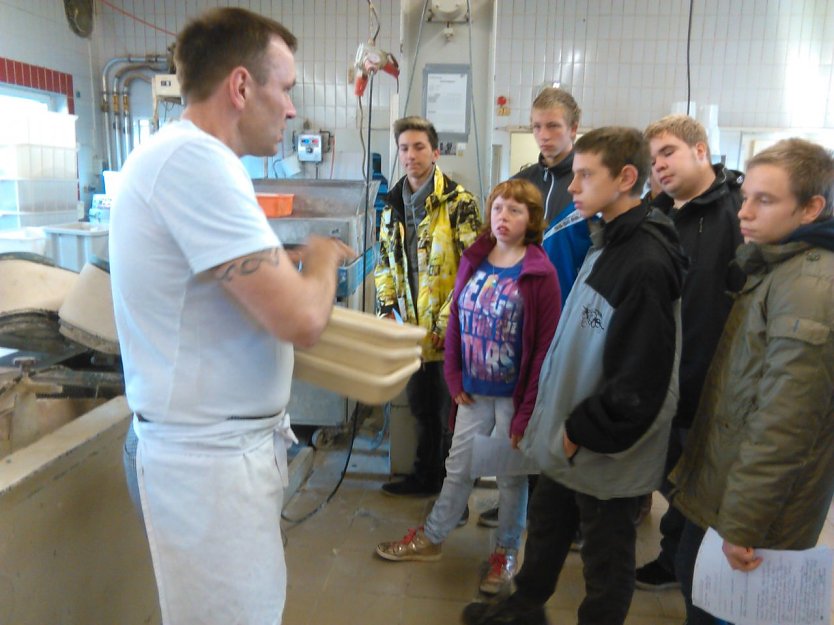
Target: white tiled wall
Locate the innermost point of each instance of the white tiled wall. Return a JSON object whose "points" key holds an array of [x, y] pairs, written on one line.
{"points": [[765, 63], [329, 32]]}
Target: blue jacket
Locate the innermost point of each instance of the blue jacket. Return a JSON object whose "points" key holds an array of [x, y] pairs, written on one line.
{"points": [[567, 236]]}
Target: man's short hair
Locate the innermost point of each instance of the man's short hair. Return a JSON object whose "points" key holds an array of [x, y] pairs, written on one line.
{"points": [[523, 192], [420, 124], [553, 97], [214, 43], [810, 169], [617, 147], [686, 128]]}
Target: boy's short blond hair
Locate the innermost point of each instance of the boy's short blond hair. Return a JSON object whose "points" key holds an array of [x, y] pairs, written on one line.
{"points": [[686, 128], [553, 97], [810, 169]]}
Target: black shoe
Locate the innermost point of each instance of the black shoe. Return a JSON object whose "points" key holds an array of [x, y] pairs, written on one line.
{"points": [[489, 518], [464, 518], [411, 486], [653, 576], [510, 611]]}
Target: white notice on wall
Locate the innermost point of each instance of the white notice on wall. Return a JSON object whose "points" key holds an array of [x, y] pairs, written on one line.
{"points": [[788, 587], [446, 102]]}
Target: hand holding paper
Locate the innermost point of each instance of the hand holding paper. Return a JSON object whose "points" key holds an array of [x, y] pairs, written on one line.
{"points": [[784, 588], [740, 558]]}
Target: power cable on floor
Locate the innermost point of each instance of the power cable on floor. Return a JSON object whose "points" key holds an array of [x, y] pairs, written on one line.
{"points": [[355, 420]]}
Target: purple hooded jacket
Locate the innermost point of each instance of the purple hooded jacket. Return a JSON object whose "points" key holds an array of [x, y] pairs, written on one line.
{"points": [[539, 289]]}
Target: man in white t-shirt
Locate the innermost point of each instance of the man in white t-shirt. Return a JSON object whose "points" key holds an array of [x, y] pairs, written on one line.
{"points": [[208, 307]]}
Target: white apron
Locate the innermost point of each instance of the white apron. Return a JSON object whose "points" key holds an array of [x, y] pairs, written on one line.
{"points": [[211, 498]]}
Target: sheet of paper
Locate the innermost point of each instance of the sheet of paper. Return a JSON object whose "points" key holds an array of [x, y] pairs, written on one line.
{"points": [[495, 456], [788, 587]]}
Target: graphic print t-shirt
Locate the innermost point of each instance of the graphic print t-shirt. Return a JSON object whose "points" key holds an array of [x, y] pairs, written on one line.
{"points": [[490, 316]]}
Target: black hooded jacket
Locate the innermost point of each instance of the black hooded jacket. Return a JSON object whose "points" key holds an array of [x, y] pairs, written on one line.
{"points": [[709, 232]]}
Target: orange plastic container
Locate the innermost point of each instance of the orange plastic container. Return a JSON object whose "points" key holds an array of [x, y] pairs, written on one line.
{"points": [[276, 204]]}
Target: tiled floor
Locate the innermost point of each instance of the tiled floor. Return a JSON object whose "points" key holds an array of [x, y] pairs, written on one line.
{"points": [[335, 578]]}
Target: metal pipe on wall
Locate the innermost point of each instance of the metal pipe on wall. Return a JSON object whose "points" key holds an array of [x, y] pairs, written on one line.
{"points": [[116, 90], [106, 106], [126, 135]]}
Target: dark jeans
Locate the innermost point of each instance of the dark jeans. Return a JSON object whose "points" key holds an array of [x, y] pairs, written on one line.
{"points": [[607, 553], [671, 523], [429, 401], [690, 542]]}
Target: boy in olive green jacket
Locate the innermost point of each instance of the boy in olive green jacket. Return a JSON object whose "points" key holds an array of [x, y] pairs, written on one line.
{"points": [[759, 462]]}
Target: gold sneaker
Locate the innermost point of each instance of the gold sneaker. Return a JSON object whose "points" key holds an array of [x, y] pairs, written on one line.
{"points": [[413, 546], [502, 567]]}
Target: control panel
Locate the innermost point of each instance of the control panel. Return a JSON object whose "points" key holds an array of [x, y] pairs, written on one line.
{"points": [[309, 147]]}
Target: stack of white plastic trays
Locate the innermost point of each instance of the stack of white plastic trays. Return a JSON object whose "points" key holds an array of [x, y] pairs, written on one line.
{"points": [[362, 357], [38, 170]]}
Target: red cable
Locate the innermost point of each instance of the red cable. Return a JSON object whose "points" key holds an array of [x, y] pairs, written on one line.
{"points": [[137, 18]]}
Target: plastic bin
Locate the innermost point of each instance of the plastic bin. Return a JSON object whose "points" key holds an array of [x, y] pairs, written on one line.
{"points": [[41, 128], [15, 219], [37, 161], [276, 204], [32, 240], [72, 245], [31, 196]]}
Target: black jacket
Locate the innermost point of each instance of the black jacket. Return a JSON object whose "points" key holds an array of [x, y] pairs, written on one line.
{"points": [[565, 241], [709, 233], [552, 182]]}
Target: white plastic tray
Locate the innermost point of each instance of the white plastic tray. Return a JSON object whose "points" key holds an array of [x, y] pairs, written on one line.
{"points": [[348, 350], [349, 381], [369, 328]]}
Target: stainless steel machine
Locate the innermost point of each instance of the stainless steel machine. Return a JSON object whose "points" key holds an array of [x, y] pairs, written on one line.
{"points": [[333, 208]]}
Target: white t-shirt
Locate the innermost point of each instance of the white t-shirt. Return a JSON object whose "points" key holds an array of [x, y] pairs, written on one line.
{"points": [[191, 354]]}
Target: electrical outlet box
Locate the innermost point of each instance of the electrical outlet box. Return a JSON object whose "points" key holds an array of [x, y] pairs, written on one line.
{"points": [[166, 86], [309, 148]]}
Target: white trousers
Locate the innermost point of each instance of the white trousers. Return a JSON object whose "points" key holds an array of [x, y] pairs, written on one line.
{"points": [[211, 498]]}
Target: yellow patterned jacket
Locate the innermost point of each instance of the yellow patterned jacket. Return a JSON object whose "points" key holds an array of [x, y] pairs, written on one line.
{"points": [[451, 224]]}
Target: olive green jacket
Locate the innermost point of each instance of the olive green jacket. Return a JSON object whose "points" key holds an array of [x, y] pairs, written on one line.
{"points": [[759, 460]]}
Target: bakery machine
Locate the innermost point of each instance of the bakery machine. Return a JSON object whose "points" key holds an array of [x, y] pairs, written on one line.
{"points": [[330, 208]]}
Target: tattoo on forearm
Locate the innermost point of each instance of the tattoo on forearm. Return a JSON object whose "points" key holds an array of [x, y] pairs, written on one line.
{"points": [[246, 265]]}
